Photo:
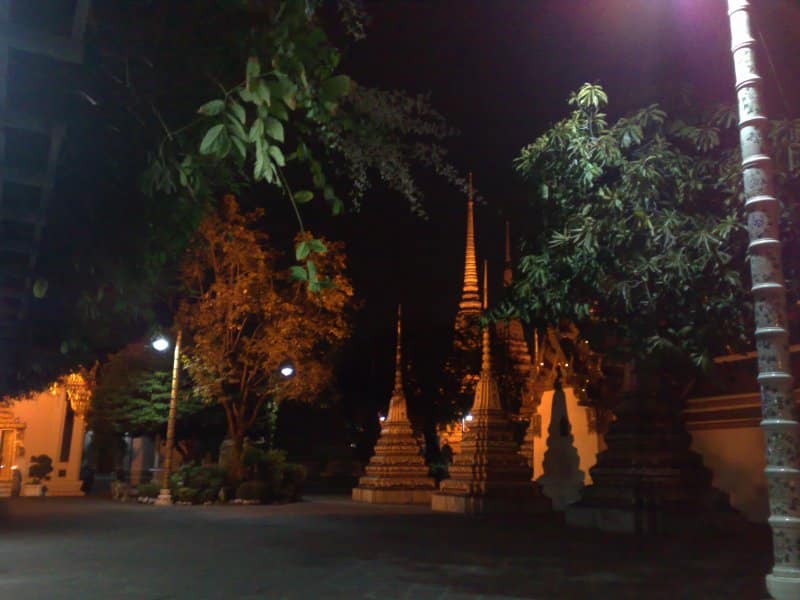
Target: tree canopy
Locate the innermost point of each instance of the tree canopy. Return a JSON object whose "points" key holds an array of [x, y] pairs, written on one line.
{"points": [[641, 239], [244, 317], [178, 105]]}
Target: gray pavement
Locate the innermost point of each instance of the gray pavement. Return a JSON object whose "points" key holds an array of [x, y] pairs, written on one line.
{"points": [[329, 547]]}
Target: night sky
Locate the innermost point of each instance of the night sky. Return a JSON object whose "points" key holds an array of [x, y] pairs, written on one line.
{"points": [[500, 71]]}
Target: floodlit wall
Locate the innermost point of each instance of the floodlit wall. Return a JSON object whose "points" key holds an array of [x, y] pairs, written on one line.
{"points": [[586, 439], [725, 431], [44, 416]]}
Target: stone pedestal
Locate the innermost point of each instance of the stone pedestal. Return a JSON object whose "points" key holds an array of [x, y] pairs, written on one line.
{"points": [[489, 475], [647, 480], [164, 498], [396, 473], [64, 487]]}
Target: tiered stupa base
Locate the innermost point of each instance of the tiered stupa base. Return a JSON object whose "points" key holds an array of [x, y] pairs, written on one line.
{"points": [[648, 480], [489, 475], [396, 474]]}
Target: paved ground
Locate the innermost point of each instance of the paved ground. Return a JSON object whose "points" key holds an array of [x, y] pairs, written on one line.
{"points": [[328, 547]]}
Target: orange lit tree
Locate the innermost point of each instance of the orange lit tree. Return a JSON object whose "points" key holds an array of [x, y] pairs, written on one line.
{"points": [[244, 316]]}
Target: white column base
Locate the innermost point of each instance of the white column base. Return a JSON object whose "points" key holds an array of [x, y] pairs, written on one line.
{"points": [[784, 585], [164, 498]]}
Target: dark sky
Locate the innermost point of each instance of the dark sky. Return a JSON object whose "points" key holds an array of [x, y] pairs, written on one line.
{"points": [[500, 71]]}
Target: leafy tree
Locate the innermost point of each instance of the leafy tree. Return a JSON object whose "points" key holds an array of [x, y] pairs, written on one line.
{"points": [[244, 317], [133, 392], [642, 243], [276, 109], [132, 397]]}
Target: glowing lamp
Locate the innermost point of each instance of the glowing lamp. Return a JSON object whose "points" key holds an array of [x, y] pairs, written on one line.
{"points": [[161, 343]]}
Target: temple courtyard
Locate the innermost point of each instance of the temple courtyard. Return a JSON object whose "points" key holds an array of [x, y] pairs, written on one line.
{"points": [[331, 547]]}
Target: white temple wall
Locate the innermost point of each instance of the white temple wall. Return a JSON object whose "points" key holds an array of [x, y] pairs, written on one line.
{"points": [[586, 439]]}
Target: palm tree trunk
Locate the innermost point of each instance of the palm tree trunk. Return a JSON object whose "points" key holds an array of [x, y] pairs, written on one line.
{"points": [[781, 422]]}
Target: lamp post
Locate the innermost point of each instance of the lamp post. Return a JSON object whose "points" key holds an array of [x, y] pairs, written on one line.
{"points": [[161, 344], [780, 419]]}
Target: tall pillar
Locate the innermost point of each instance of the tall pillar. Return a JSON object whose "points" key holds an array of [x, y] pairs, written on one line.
{"points": [[781, 421]]}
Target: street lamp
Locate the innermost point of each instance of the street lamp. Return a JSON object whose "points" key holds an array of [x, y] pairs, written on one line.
{"points": [[161, 344]]}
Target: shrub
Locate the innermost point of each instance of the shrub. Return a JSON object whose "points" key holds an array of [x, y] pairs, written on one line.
{"points": [[187, 494], [293, 477], [40, 469], [252, 490], [207, 481], [149, 490]]}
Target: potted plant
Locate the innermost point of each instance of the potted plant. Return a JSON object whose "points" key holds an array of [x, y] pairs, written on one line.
{"points": [[39, 470]]}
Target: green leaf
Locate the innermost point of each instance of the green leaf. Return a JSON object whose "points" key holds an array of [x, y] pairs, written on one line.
{"points": [[256, 130], [312, 271], [336, 87], [274, 129], [212, 108], [262, 92], [210, 139], [239, 112], [279, 110], [317, 246], [252, 71], [40, 288], [303, 196], [240, 147], [277, 156], [298, 273], [302, 250]]}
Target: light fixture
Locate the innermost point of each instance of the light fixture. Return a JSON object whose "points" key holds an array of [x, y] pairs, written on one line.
{"points": [[469, 418], [287, 370], [160, 343]]}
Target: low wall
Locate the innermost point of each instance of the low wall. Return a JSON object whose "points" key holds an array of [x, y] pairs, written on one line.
{"points": [[725, 431]]}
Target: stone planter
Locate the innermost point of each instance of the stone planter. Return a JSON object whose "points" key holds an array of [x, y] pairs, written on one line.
{"points": [[33, 489]]}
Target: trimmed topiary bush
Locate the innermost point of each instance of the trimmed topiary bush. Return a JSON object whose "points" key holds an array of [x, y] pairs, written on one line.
{"points": [[149, 490], [187, 494], [252, 490], [293, 477]]}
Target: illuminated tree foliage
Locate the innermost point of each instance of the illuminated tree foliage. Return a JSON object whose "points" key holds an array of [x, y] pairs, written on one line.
{"points": [[642, 243], [244, 316], [179, 103]]}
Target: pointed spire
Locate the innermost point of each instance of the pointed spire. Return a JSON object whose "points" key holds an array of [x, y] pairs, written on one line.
{"points": [[486, 359], [397, 404], [398, 359], [470, 299], [507, 269]]}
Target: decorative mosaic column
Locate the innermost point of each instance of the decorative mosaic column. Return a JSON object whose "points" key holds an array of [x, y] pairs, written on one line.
{"points": [[780, 416]]}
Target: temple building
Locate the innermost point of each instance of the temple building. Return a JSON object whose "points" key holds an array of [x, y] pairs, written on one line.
{"points": [[50, 423], [397, 472], [525, 378], [488, 474]]}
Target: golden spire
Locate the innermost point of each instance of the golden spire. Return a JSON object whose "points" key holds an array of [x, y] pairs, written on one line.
{"points": [[507, 270], [397, 404], [486, 359], [470, 299], [398, 362], [487, 395]]}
